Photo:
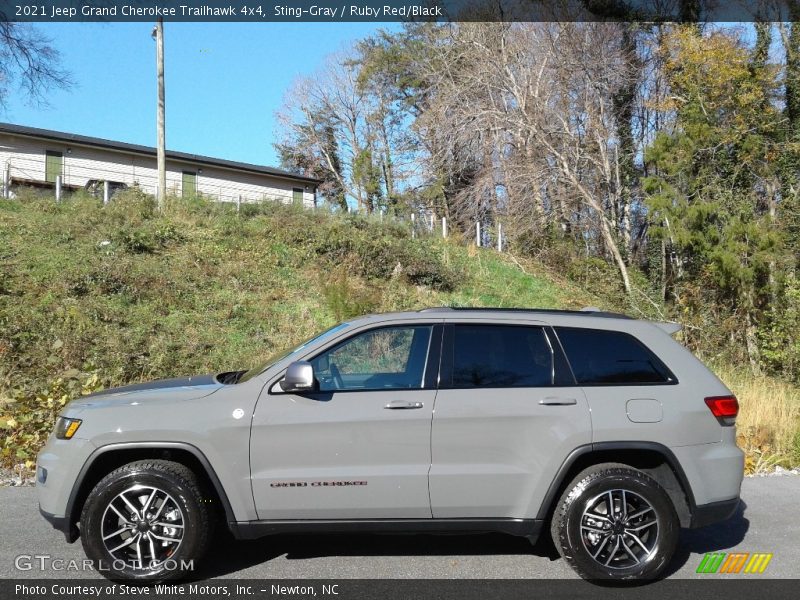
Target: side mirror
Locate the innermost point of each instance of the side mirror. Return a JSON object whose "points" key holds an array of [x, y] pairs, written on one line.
{"points": [[299, 377]]}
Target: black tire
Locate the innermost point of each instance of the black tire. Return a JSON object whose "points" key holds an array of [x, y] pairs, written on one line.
{"points": [[579, 527], [180, 498]]}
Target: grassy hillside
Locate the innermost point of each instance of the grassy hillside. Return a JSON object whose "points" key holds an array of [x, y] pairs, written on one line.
{"points": [[93, 297]]}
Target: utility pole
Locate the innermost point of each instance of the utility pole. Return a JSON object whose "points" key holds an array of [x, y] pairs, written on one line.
{"points": [[158, 35]]}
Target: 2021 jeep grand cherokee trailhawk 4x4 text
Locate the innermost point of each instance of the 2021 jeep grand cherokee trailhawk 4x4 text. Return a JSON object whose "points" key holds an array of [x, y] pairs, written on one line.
{"points": [[600, 427]]}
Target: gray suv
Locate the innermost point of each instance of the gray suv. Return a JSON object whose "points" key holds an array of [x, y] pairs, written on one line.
{"points": [[597, 426]]}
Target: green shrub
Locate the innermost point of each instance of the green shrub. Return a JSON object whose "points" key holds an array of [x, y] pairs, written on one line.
{"points": [[344, 298], [422, 267], [149, 237], [779, 338]]}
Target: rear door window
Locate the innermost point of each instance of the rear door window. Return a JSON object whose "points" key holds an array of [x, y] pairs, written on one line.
{"points": [[501, 356], [600, 357]]}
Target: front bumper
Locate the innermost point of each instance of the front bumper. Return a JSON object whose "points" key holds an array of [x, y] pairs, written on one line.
{"points": [[62, 524], [62, 460]]}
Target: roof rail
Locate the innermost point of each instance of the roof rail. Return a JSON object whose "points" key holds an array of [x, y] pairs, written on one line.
{"points": [[584, 312]]}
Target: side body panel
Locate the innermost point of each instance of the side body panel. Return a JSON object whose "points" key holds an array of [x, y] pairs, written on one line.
{"points": [[674, 415], [495, 451], [344, 454], [216, 424]]}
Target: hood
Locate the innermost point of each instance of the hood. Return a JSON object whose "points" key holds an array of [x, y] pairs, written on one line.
{"points": [[179, 388]]}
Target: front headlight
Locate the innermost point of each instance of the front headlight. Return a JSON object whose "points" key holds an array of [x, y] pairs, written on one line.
{"points": [[66, 427]]}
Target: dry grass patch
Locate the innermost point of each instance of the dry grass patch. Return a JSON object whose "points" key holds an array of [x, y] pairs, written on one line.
{"points": [[769, 418]]}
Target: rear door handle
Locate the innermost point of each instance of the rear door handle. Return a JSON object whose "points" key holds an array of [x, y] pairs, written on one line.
{"points": [[555, 401], [403, 405]]}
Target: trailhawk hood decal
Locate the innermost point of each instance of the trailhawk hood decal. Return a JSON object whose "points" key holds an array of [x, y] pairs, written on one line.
{"points": [[195, 386]]}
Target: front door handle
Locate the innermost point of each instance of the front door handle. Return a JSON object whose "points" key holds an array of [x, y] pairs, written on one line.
{"points": [[403, 405], [555, 401]]}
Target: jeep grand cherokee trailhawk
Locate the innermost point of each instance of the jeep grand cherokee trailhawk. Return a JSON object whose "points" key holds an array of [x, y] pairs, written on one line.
{"points": [[598, 427]]}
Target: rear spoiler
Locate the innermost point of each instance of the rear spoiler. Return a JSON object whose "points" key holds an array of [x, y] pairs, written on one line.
{"points": [[670, 328]]}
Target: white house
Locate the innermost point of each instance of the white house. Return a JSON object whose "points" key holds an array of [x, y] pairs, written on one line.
{"points": [[35, 157]]}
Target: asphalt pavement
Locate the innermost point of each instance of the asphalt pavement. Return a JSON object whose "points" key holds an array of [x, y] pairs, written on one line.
{"points": [[766, 522]]}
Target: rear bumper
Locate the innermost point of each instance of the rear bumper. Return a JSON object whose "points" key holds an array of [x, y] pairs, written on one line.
{"points": [[714, 472], [714, 512]]}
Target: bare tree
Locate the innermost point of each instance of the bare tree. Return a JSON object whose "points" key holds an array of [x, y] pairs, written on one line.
{"points": [[324, 118], [29, 61], [526, 111]]}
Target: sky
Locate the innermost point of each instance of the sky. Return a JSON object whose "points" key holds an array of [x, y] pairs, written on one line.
{"points": [[224, 82]]}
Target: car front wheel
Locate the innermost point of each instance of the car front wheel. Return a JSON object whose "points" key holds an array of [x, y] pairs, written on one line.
{"points": [[615, 522], [146, 521]]}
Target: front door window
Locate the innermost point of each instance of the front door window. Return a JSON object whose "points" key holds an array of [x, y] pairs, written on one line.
{"points": [[379, 359]]}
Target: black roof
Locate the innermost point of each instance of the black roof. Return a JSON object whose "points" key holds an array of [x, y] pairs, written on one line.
{"points": [[150, 151], [586, 312]]}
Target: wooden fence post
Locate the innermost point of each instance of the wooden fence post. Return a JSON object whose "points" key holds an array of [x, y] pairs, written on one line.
{"points": [[7, 181], [238, 203], [58, 188]]}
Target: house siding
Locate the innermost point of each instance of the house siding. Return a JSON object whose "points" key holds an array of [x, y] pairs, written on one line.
{"points": [[25, 158]]}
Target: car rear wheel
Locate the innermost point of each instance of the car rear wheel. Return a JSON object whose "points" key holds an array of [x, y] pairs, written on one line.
{"points": [[615, 522], [146, 521]]}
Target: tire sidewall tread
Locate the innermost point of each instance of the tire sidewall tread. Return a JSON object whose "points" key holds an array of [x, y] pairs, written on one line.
{"points": [[185, 488], [587, 484]]}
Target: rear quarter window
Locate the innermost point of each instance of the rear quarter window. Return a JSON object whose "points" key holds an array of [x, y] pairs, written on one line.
{"points": [[601, 357]]}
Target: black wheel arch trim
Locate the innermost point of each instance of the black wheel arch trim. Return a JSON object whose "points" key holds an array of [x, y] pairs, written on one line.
{"points": [[68, 524], [560, 478]]}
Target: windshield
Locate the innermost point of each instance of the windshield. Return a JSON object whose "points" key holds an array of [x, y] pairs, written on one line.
{"points": [[278, 356]]}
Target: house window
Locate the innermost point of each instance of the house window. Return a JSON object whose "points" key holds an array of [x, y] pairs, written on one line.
{"points": [[189, 184], [297, 195], [53, 165]]}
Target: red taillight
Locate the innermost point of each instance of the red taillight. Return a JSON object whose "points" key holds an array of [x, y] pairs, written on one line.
{"points": [[723, 407]]}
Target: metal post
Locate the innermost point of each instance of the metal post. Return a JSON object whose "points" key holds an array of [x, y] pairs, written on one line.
{"points": [[413, 233], [7, 182], [433, 218], [106, 189], [478, 234], [58, 188], [444, 227], [161, 150], [499, 237]]}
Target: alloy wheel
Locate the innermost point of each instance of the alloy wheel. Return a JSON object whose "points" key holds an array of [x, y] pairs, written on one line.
{"points": [[142, 527], [619, 529]]}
